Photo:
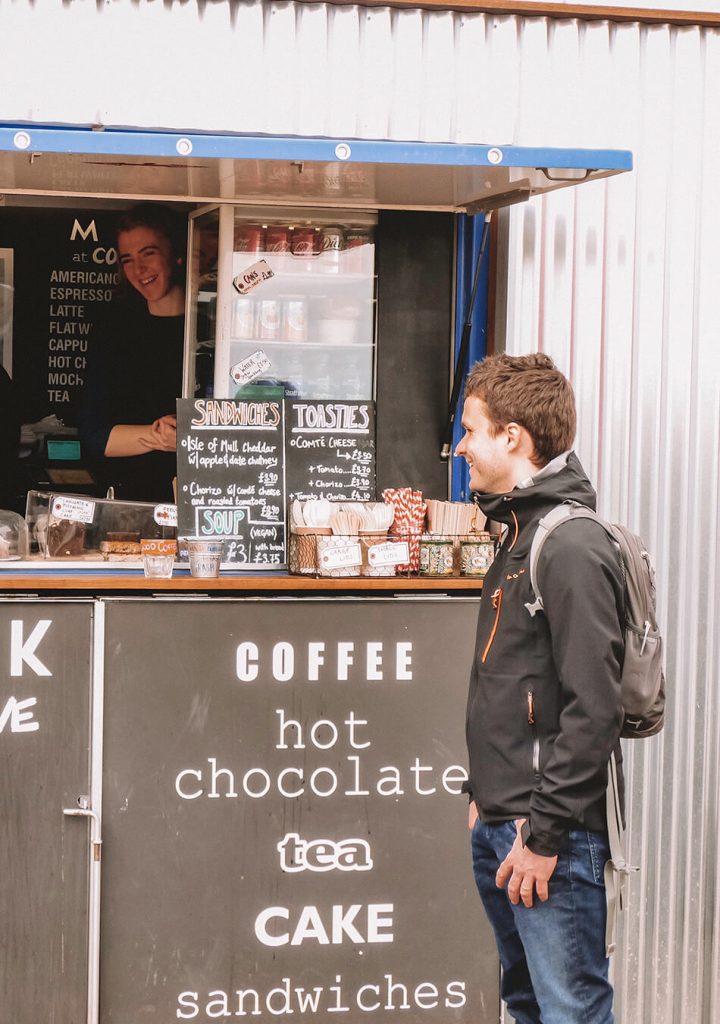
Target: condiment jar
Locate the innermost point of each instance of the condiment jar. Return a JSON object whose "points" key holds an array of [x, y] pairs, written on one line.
{"points": [[476, 554]]}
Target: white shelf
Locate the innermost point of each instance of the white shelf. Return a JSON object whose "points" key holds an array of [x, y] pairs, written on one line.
{"points": [[290, 345], [294, 269]]}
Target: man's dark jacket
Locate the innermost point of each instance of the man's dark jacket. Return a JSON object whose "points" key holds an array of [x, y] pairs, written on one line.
{"points": [[544, 710]]}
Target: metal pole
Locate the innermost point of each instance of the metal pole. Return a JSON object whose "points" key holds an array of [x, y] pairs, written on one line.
{"points": [[464, 345]]}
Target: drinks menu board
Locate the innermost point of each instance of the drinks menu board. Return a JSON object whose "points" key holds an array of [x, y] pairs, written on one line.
{"points": [[330, 450], [231, 477], [65, 272]]}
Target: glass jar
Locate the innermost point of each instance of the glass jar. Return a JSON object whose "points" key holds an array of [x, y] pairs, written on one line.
{"points": [[476, 554], [14, 536], [436, 555]]}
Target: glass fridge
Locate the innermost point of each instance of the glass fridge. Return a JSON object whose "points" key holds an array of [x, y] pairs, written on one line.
{"points": [[281, 299]]}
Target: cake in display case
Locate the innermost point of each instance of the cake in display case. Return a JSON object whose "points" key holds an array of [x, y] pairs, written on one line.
{"points": [[70, 526]]}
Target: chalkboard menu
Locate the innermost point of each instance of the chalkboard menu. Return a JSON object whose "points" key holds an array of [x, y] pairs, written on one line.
{"points": [[330, 450], [231, 477], [65, 272]]}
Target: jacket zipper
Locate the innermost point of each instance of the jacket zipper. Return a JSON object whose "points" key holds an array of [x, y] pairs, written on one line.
{"points": [[534, 733], [497, 604]]}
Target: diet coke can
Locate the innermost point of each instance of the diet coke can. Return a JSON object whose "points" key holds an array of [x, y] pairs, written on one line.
{"points": [[332, 243]]}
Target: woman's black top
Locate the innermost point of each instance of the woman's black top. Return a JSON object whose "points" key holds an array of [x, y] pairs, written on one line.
{"points": [[134, 376]]}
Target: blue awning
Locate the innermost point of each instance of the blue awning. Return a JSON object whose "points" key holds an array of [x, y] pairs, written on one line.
{"points": [[289, 169]]}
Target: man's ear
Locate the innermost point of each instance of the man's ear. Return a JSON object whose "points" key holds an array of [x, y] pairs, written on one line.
{"points": [[514, 434], [519, 440]]}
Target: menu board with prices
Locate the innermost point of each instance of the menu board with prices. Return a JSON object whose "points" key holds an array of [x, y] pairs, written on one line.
{"points": [[231, 477], [330, 450]]}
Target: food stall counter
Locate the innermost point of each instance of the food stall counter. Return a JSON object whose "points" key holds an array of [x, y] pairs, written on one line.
{"points": [[54, 579]]}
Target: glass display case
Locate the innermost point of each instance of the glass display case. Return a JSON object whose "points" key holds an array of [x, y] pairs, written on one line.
{"points": [[71, 526], [288, 305]]}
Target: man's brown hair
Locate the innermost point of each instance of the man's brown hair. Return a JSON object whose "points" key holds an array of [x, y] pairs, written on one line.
{"points": [[531, 391]]}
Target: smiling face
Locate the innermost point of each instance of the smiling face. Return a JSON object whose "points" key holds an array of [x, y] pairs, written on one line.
{"points": [[488, 455], [146, 258]]}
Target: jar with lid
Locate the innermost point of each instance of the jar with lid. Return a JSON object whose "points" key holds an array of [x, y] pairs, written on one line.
{"points": [[14, 536], [477, 552], [436, 555]]}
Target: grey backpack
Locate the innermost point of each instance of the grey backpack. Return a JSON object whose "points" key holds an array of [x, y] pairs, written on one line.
{"points": [[642, 682]]}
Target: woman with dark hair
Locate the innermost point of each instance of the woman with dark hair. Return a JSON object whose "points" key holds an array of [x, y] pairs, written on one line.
{"points": [[136, 359]]}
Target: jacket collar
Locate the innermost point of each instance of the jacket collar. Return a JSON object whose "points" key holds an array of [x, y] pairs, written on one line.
{"points": [[523, 504]]}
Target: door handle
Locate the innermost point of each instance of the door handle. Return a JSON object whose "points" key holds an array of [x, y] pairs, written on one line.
{"points": [[95, 837]]}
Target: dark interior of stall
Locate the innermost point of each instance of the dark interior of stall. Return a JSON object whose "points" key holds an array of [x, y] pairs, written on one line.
{"points": [[59, 277]]}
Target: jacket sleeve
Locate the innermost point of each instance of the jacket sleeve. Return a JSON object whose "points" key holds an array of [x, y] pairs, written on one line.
{"points": [[581, 583]]}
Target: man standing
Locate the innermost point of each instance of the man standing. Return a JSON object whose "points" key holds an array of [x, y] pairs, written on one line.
{"points": [[544, 710]]}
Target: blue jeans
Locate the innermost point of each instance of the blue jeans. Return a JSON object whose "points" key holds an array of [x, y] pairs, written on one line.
{"points": [[554, 969]]}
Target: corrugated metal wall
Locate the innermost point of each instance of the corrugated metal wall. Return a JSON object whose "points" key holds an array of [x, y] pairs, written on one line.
{"points": [[619, 280]]}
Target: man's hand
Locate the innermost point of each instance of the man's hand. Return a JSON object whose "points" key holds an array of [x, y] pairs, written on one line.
{"points": [[472, 815], [164, 435], [528, 872]]}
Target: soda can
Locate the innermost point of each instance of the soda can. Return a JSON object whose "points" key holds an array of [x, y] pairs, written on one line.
{"points": [[277, 239], [332, 243], [304, 242], [269, 319], [243, 318], [249, 238], [295, 319]]}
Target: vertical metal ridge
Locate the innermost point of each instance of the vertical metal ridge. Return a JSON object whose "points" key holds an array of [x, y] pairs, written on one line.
{"points": [[645, 364]]}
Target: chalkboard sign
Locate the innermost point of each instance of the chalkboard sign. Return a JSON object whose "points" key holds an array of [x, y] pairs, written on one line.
{"points": [[231, 477], [65, 271], [330, 450], [296, 856], [45, 674]]}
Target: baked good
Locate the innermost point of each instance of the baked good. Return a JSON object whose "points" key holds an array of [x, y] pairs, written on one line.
{"points": [[65, 538], [120, 547]]}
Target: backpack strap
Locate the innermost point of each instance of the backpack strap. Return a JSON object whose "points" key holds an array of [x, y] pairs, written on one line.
{"points": [[617, 868], [550, 522]]}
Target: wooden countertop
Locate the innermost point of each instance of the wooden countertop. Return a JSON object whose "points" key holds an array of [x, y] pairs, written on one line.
{"points": [[228, 583]]}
